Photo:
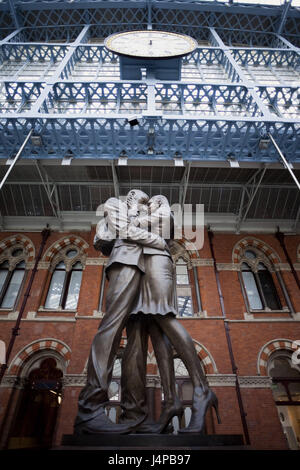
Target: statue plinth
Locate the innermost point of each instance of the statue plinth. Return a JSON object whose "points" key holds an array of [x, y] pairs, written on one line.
{"points": [[153, 441]]}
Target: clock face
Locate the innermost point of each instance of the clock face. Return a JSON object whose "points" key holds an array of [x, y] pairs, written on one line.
{"points": [[150, 44]]}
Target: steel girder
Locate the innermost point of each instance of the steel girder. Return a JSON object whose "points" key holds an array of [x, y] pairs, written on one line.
{"points": [[197, 121], [186, 15], [155, 138], [47, 198]]}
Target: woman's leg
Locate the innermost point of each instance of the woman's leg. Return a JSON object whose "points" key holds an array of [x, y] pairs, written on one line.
{"points": [[203, 396], [183, 343]]}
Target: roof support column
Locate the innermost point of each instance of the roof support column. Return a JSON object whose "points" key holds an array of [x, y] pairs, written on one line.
{"points": [[284, 160], [149, 8], [16, 158], [115, 179], [284, 14], [13, 13], [242, 217]]}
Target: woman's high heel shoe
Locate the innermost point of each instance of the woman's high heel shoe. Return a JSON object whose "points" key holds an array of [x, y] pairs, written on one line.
{"points": [[165, 418], [201, 403]]}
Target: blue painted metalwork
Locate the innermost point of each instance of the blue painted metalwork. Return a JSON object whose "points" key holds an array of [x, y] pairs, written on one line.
{"points": [[185, 13], [71, 94]]}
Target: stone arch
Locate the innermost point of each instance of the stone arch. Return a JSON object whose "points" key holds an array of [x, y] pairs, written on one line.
{"points": [[67, 241], [268, 349], [45, 344], [206, 358], [182, 244], [16, 241], [255, 243]]}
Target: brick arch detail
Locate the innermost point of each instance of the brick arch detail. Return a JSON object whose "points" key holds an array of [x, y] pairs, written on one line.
{"points": [[63, 242], [203, 354], [269, 252], [268, 349], [190, 247], [39, 345], [19, 239], [206, 358]]}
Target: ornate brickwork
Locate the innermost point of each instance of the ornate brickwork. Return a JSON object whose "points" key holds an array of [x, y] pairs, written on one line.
{"points": [[251, 242], [39, 345], [268, 349], [9, 244]]}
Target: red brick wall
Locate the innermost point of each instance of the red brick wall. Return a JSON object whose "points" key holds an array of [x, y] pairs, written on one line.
{"points": [[247, 337]]}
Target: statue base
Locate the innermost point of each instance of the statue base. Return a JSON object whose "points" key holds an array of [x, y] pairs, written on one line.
{"points": [[152, 441]]}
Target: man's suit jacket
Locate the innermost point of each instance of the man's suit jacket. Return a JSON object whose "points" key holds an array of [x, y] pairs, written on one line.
{"points": [[132, 252], [139, 242]]}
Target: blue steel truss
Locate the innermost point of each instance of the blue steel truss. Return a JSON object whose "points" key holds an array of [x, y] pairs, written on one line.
{"points": [[69, 91]]}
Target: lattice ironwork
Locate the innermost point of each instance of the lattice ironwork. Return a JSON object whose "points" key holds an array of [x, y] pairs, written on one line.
{"points": [[281, 101], [72, 96], [237, 37], [155, 138], [183, 16], [38, 52], [48, 34], [96, 98], [18, 97], [206, 100]]}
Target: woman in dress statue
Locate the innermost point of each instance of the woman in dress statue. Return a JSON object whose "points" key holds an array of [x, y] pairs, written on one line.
{"points": [[156, 306]]}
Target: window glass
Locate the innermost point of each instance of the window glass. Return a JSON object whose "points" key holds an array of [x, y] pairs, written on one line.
{"points": [[17, 252], [250, 254], [55, 289], [13, 289], [281, 368], [185, 308], [71, 253], [3, 274], [269, 290], [4, 265], [113, 391], [179, 368], [261, 267], [187, 391], [182, 276], [252, 291], [74, 289]]}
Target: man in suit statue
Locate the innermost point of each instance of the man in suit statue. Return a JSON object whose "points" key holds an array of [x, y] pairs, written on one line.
{"points": [[124, 269]]}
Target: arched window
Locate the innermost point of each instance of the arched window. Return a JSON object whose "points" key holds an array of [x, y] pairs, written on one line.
{"points": [[286, 392], [38, 407], [64, 288], [184, 293], [12, 272], [258, 283]]}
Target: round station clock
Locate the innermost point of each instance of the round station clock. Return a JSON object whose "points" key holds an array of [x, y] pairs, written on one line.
{"points": [[149, 44]]}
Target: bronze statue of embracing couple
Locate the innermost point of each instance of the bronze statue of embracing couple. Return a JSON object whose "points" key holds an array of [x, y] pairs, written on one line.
{"points": [[141, 297]]}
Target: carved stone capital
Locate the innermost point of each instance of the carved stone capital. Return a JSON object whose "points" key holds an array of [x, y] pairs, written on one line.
{"points": [[74, 380], [96, 261], [255, 381], [12, 381], [228, 267], [283, 267], [43, 265], [202, 262]]}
